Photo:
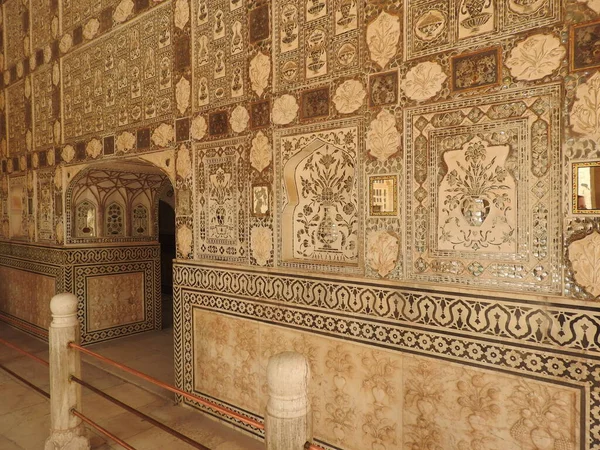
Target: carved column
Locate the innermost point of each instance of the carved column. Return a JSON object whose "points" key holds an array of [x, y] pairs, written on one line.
{"points": [[288, 420], [66, 430]]}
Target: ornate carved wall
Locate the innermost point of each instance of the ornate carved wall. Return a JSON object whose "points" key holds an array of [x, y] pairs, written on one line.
{"points": [[386, 180]]}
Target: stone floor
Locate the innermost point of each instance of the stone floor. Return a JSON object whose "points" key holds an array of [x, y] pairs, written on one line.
{"points": [[25, 414]]}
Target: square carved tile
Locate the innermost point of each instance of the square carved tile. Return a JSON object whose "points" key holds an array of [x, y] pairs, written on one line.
{"points": [[218, 123], [260, 114], [584, 41], [314, 103], [481, 197], [383, 89], [259, 23], [476, 70]]}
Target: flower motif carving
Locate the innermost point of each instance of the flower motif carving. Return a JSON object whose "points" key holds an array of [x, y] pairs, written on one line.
{"points": [[184, 241], [423, 81], [182, 94], [382, 252], [68, 153], [184, 162], [182, 13], [260, 68], [199, 127], [285, 109], [125, 142], [91, 28], [382, 38], [260, 152], [383, 138], [585, 113], [163, 135], [585, 259], [349, 96], [94, 148], [123, 11], [261, 241], [239, 119], [536, 57]]}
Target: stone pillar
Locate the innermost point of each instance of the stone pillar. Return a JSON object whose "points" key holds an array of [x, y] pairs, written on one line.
{"points": [[288, 420], [67, 432]]}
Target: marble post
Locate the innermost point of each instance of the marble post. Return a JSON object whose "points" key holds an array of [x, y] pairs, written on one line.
{"points": [[288, 419], [67, 432]]}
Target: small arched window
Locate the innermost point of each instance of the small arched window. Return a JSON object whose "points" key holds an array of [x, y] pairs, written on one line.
{"points": [[85, 219], [114, 220], [140, 220]]}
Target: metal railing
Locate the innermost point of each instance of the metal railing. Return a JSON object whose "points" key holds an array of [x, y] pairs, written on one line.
{"points": [[65, 383]]}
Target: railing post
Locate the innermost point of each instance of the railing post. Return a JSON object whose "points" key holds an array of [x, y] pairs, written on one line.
{"points": [[288, 420], [67, 432]]}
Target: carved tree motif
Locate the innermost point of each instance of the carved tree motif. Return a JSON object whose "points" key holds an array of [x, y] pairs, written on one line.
{"points": [[585, 258], [585, 114], [383, 138], [382, 38]]}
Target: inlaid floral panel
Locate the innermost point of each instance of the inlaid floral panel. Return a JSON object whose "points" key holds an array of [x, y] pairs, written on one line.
{"points": [[44, 24], [121, 80], [16, 33], [27, 296], [221, 203], [319, 195], [18, 117], [220, 30], [435, 26], [482, 193], [314, 41], [46, 108], [45, 206], [114, 300], [381, 399]]}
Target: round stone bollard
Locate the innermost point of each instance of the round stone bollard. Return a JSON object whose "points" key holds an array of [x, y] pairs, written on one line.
{"points": [[66, 430], [288, 419]]}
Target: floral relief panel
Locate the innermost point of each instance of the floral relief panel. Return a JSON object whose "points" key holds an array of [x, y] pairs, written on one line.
{"points": [[122, 80], [365, 398], [18, 118], [46, 124], [319, 196], [220, 53], [221, 208], [17, 207], [481, 193], [435, 26], [114, 300], [27, 296], [45, 206], [314, 41]]}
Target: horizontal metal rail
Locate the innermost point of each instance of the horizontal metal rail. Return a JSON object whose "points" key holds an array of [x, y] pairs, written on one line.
{"points": [[98, 428], [195, 398], [140, 414], [16, 323], [24, 381], [309, 446], [25, 352]]}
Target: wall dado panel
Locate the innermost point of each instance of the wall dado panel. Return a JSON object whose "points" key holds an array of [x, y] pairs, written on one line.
{"points": [[118, 288], [395, 367]]}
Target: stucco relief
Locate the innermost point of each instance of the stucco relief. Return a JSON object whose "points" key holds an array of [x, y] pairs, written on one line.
{"points": [[585, 112], [116, 83], [478, 203], [536, 57], [584, 255], [319, 197], [114, 300], [455, 232], [27, 296], [222, 201], [377, 399]]}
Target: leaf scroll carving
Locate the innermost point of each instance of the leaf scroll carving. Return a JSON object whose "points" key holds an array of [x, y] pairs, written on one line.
{"points": [[382, 38]]}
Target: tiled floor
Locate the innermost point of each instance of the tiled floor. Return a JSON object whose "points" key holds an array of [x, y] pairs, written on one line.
{"points": [[25, 414]]}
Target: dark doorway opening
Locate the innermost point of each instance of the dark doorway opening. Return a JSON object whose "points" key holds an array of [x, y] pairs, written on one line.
{"points": [[166, 238]]}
